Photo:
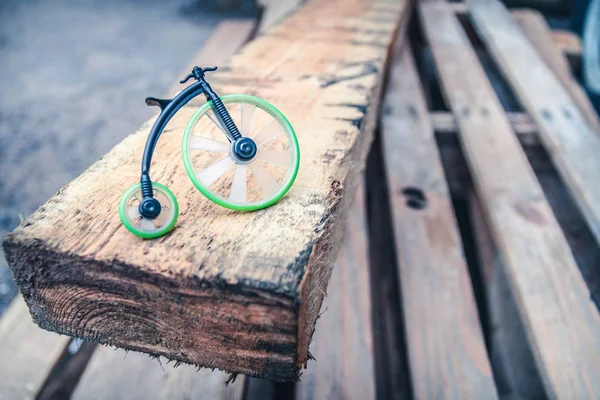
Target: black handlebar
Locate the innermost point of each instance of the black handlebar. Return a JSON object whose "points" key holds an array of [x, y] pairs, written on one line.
{"points": [[197, 73]]}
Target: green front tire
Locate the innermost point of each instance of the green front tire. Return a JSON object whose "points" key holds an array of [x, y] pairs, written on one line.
{"points": [[230, 182], [144, 227]]}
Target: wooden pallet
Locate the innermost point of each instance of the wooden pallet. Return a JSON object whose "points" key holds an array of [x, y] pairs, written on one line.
{"points": [[469, 263]]}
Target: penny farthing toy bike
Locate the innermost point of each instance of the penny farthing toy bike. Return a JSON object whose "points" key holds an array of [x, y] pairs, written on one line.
{"points": [[238, 150]]}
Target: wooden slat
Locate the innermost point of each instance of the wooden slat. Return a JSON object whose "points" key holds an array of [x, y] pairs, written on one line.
{"points": [[562, 324], [540, 35], [27, 352], [114, 374], [512, 360], [343, 340], [572, 142], [444, 123], [237, 291], [445, 344]]}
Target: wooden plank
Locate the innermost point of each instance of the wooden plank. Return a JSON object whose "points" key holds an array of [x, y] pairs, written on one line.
{"points": [[343, 340], [227, 38], [28, 353], [444, 123], [572, 142], [274, 11], [236, 291], [446, 347], [540, 35], [515, 373], [562, 324], [115, 374]]}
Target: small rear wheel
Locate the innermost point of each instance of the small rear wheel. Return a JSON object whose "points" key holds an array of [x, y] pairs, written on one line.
{"points": [[148, 228]]}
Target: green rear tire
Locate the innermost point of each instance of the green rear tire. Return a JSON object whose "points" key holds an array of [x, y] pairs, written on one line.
{"points": [[142, 227]]}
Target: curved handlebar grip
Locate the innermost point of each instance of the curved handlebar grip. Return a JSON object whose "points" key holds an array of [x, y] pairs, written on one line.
{"points": [[187, 78], [209, 69]]}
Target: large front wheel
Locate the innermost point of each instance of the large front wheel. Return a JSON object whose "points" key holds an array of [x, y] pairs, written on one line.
{"points": [[243, 185]]}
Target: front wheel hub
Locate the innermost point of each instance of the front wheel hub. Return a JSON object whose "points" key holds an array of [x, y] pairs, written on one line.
{"points": [[245, 149]]}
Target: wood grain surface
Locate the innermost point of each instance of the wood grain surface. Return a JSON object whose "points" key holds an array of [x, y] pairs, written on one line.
{"points": [[343, 342], [236, 291], [445, 344], [561, 322]]}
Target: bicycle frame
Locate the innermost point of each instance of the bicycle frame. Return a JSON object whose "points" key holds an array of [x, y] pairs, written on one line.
{"points": [[170, 107]]}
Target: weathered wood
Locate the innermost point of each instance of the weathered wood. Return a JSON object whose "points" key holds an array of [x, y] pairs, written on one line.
{"points": [[571, 141], [515, 372], [115, 374], [524, 126], [432, 267], [227, 38], [562, 324], [28, 353], [540, 35], [343, 340], [235, 291]]}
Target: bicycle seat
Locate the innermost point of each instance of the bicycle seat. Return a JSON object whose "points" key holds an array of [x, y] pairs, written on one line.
{"points": [[153, 101]]}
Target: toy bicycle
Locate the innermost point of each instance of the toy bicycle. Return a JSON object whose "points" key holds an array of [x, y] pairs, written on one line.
{"points": [[238, 150]]}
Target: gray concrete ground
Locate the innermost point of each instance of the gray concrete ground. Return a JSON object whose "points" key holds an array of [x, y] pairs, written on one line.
{"points": [[73, 78]]}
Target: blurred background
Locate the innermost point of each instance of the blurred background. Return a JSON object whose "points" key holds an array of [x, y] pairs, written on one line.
{"points": [[73, 81], [74, 75]]}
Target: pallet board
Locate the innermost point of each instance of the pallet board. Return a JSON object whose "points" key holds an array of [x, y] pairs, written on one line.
{"points": [[240, 292], [572, 142], [114, 374], [28, 353], [562, 324], [432, 268]]}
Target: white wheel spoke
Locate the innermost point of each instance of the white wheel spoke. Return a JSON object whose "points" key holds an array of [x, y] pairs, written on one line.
{"points": [[133, 212], [267, 182], [202, 143], [209, 175], [281, 158], [216, 120], [247, 117], [138, 196], [163, 217], [238, 185], [268, 133], [147, 225]]}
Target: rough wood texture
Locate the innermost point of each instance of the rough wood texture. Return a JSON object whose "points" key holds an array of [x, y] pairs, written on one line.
{"points": [[343, 340], [562, 324], [115, 374], [515, 372], [28, 353], [540, 35], [236, 291], [523, 125], [572, 142], [432, 268]]}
